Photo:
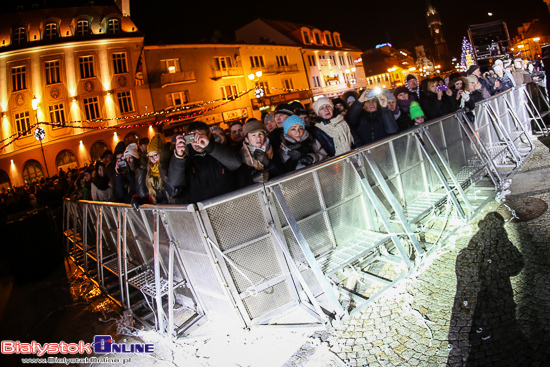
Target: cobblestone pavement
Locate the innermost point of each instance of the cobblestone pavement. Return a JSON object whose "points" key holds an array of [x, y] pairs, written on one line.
{"points": [[496, 314]]}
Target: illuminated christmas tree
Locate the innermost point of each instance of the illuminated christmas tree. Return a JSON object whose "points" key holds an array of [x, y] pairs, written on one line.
{"points": [[467, 57]]}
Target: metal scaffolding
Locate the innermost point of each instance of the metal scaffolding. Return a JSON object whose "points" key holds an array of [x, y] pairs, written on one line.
{"points": [[327, 240]]}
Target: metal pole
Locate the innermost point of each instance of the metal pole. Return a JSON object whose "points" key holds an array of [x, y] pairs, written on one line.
{"points": [[44, 156]]}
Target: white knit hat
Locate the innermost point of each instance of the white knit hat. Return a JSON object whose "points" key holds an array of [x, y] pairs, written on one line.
{"points": [[320, 103], [131, 149]]}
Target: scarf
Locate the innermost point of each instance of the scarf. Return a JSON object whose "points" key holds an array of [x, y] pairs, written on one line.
{"points": [[251, 154], [155, 169], [404, 105], [339, 131], [101, 182]]}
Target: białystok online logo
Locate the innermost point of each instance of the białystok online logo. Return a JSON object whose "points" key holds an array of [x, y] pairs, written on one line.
{"points": [[102, 344]]}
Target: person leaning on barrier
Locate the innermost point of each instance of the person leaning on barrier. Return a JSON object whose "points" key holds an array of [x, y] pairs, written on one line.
{"points": [[331, 130], [126, 174], [153, 185], [402, 119], [370, 118], [201, 168], [298, 148], [102, 190], [436, 101], [256, 152]]}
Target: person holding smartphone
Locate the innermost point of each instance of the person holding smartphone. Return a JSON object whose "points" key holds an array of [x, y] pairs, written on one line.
{"points": [[201, 167]]}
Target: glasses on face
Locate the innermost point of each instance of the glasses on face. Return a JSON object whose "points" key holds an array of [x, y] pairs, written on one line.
{"points": [[153, 155]]}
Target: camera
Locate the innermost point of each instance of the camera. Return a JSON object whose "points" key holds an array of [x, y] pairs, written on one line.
{"points": [[122, 164], [189, 138], [442, 88]]}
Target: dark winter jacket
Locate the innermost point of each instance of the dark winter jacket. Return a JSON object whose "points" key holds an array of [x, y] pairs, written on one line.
{"points": [[165, 192], [434, 107], [370, 126], [294, 154], [202, 176]]}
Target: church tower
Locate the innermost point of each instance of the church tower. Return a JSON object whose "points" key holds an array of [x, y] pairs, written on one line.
{"points": [[442, 55]]}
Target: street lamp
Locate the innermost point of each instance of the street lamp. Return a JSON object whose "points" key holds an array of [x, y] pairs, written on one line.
{"points": [[39, 132]]}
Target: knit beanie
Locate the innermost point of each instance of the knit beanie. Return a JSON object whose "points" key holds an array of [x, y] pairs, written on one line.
{"points": [[131, 150], [320, 103], [119, 149], [399, 90], [284, 108], [292, 120], [156, 143], [390, 97], [415, 110], [350, 99], [472, 68], [253, 126]]}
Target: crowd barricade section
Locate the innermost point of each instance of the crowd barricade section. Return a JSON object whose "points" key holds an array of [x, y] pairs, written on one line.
{"points": [[322, 242]]}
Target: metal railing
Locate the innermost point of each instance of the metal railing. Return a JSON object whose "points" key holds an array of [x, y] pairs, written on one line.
{"points": [[327, 240]]}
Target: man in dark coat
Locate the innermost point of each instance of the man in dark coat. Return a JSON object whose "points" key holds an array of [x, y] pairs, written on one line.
{"points": [[370, 118], [201, 168]]}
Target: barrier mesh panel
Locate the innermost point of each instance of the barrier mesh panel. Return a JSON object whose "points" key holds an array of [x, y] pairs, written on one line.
{"points": [[347, 220], [268, 300], [338, 182], [238, 221], [185, 231], [406, 151], [301, 196]]}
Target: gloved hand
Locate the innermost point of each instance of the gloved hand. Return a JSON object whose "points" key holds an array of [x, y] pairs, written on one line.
{"points": [[306, 160], [294, 154], [261, 157]]}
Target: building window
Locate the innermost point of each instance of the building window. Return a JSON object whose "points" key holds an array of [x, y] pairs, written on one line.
{"points": [[52, 72], [97, 149], [350, 60], [113, 26], [91, 107], [264, 86], [50, 31], [305, 35], [119, 63], [23, 123], [172, 65], [57, 115], [125, 102], [387, 78], [342, 60], [370, 81], [333, 59], [282, 60], [177, 98], [223, 63], [82, 28], [257, 62], [317, 38], [19, 35], [19, 78], [337, 42], [65, 159], [316, 82], [229, 92], [328, 40], [86, 67], [322, 57], [311, 59], [32, 171], [287, 84]]}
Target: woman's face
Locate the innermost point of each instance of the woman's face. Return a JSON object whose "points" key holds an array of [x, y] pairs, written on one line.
{"points": [[296, 131], [326, 111], [154, 157], [459, 84], [403, 96], [472, 86], [256, 139], [392, 104], [433, 87], [370, 105], [100, 171], [270, 125]]}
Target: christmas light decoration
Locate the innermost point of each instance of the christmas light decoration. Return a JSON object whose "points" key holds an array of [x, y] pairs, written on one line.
{"points": [[467, 56]]}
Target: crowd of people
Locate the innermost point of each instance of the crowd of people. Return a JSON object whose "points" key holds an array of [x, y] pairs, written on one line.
{"points": [[208, 161]]}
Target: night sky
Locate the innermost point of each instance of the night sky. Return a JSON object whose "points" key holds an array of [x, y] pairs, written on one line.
{"points": [[361, 23]]}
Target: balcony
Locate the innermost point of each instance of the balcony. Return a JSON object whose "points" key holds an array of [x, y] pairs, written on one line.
{"points": [[228, 73], [276, 69], [181, 77]]}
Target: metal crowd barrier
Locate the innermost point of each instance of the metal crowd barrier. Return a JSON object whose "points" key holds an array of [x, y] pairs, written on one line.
{"points": [[324, 241]]}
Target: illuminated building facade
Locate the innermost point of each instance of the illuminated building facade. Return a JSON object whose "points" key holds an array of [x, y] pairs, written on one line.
{"points": [[73, 70], [387, 67], [442, 55], [333, 66]]}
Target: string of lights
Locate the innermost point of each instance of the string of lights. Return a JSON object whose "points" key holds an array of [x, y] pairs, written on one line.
{"points": [[22, 134]]}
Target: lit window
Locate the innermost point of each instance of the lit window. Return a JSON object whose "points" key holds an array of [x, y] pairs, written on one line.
{"points": [[57, 115], [65, 159], [86, 67], [119, 63], [19, 35], [32, 171], [113, 26], [177, 98], [82, 28], [52, 72], [264, 86], [50, 31], [223, 63], [229, 92], [125, 102], [91, 107], [23, 123], [19, 78], [328, 41]]}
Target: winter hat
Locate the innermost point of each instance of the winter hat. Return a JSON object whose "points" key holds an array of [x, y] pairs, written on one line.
{"points": [[131, 150], [390, 96], [472, 68], [320, 103], [338, 100], [106, 153], [156, 143], [284, 108], [252, 126], [292, 120], [297, 107], [409, 77], [351, 99], [415, 110], [399, 90], [120, 148]]}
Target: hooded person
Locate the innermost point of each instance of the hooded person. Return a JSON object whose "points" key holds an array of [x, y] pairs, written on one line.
{"points": [[126, 178], [102, 189], [402, 119], [152, 181], [413, 86], [331, 129], [370, 118], [298, 148]]}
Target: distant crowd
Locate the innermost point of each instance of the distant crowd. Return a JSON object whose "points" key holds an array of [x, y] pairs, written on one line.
{"points": [[206, 161]]}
